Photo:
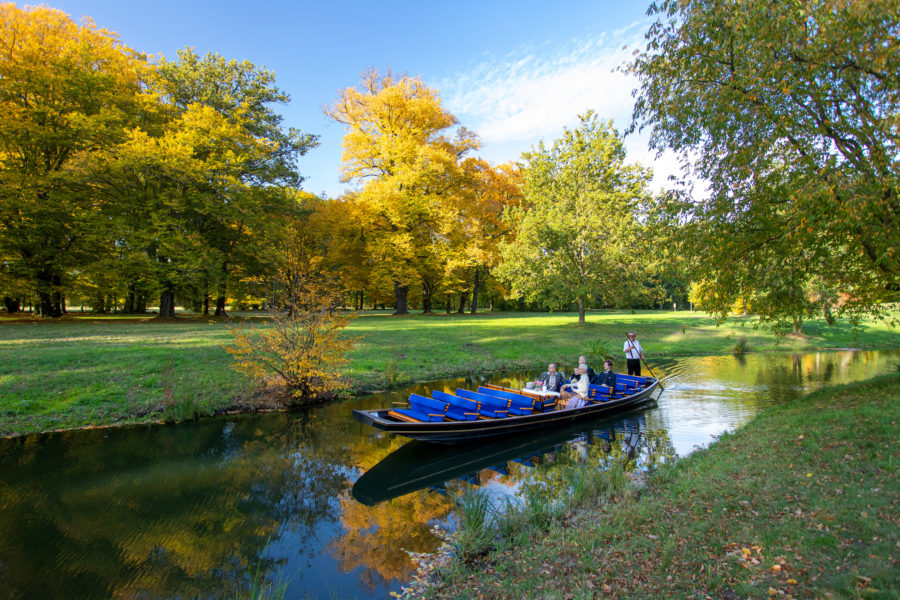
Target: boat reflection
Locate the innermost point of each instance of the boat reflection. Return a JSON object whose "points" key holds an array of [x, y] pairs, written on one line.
{"points": [[418, 465]]}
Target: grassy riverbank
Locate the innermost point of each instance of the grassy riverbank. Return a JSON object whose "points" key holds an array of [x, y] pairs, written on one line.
{"points": [[802, 502], [99, 370]]}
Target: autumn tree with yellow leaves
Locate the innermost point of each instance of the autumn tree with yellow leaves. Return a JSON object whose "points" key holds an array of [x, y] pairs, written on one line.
{"points": [[401, 148], [67, 91], [123, 176]]}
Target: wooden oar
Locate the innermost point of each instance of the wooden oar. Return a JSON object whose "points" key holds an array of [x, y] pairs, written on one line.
{"points": [[643, 360]]}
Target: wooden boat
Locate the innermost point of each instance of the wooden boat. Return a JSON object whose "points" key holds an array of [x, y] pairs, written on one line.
{"points": [[494, 410], [417, 465]]}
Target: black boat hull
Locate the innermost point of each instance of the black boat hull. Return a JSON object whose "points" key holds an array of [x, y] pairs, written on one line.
{"points": [[450, 432]]}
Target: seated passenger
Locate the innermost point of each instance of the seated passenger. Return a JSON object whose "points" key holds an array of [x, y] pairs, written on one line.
{"points": [[606, 377], [575, 394], [552, 379], [582, 360]]}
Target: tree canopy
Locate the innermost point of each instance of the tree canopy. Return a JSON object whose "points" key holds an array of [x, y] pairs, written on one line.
{"points": [[417, 190], [122, 176], [577, 232], [789, 111]]}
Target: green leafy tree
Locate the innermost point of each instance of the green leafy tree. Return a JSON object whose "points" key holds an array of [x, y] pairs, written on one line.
{"points": [[203, 187], [237, 197], [577, 236], [789, 111]]}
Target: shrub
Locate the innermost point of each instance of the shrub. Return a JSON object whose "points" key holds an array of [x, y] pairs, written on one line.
{"points": [[601, 350], [303, 346]]}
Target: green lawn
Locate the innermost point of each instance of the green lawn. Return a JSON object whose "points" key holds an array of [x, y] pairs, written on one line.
{"points": [[100, 370], [802, 502]]}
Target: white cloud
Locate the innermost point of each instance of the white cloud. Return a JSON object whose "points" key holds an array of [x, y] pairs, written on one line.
{"points": [[514, 101]]}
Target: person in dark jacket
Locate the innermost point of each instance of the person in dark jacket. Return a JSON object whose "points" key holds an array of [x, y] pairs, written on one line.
{"points": [[582, 363], [607, 376]]}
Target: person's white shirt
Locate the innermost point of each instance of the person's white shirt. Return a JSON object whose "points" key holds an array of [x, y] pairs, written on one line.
{"points": [[632, 349]]}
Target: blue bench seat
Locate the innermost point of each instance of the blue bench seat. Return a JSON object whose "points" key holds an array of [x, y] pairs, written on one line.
{"points": [[459, 409], [537, 402], [518, 404], [638, 381], [488, 406], [603, 393], [421, 410]]}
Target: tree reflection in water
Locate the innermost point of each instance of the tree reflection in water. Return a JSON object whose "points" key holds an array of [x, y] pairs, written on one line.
{"points": [[161, 511], [187, 511], [376, 539]]}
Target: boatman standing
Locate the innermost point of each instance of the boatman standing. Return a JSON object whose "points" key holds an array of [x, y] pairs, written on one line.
{"points": [[633, 354]]}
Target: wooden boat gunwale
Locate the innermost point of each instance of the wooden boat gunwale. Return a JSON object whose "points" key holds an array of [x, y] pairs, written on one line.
{"points": [[459, 431]]}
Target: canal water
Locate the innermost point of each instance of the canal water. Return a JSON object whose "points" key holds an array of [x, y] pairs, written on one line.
{"points": [[200, 510]]}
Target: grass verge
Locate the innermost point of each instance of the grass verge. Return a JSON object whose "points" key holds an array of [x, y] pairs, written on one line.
{"points": [[802, 502], [99, 370]]}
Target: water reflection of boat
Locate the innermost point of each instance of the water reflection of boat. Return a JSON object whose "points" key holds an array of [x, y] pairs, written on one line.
{"points": [[438, 427], [418, 465]]}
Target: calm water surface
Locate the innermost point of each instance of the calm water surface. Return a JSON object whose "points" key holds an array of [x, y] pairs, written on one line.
{"points": [[193, 510]]}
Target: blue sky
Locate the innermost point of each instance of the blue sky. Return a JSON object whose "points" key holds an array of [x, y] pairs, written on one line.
{"points": [[515, 72]]}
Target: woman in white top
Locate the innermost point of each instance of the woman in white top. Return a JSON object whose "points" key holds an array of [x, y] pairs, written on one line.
{"points": [[575, 394]]}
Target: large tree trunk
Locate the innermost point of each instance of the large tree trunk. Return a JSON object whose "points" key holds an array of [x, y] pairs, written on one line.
{"points": [[463, 296], [49, 296], [581, 311], [798, 325], [167, 303], [744, 312], [205, 300], [475, 293], [401, 292], [449, 306], [129, 300], [829, 316], [50, 305], [12, 304], [220, 301], [426, 299]]}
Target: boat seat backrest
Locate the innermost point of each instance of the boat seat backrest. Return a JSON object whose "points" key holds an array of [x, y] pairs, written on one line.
{"points": [[488, 401], [516, 398], [458, 402], [604, 391], [427, 405]]}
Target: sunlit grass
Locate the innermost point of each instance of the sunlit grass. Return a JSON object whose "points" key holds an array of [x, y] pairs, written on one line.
{"points": [[105, 369]]}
